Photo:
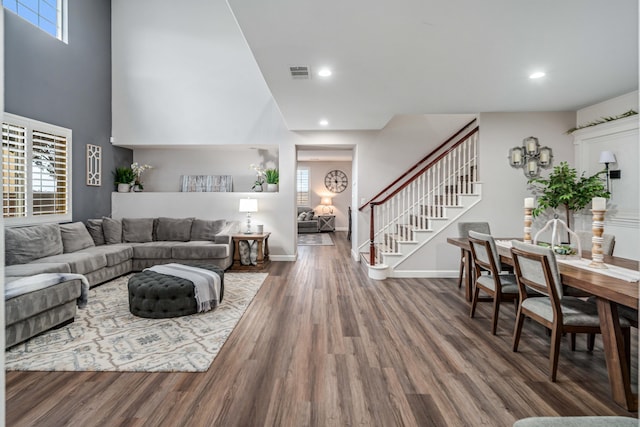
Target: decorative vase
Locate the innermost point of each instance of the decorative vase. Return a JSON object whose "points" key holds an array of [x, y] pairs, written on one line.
{"points": [[257, 188], [136, 188], [124, 188], [272, 188]]}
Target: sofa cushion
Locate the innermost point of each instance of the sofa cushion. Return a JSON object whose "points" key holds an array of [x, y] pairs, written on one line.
{"points": [[174, 229], [203, 229], [30, 269], [75, 237], [32, 303], [199, 250], [79, 262], [94, 227], [137, 230], [116, 254], [153, 250], [112, 229], [25, 244]]}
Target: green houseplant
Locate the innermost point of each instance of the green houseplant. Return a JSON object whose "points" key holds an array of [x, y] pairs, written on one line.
{"points": [[123, 176], [563, 188], [272, 176]]}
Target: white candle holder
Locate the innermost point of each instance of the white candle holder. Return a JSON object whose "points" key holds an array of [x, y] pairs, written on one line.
{"points": [[597, 227], [528, 220]]}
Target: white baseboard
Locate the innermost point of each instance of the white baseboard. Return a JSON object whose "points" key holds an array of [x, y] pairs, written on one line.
{"points": [[288, 258], [425, 274]]}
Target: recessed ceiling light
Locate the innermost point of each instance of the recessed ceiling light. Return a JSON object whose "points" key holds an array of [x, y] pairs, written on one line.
{"points": [[324, 122], [324, 72], [537, 75]]}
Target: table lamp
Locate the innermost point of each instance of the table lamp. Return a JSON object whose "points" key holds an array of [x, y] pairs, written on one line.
{"points": [[326, 205], [248, 205]]}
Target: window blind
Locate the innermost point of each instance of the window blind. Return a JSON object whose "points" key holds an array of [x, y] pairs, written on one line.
{"points": [[302, 186], [14, 171]]}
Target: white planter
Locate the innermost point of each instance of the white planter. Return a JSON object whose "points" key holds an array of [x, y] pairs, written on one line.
{"points": [[272, 188], [124, 188]]}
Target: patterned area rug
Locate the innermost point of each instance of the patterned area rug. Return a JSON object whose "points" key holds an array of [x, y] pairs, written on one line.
{"points": [[107, 337], [315, 239]]}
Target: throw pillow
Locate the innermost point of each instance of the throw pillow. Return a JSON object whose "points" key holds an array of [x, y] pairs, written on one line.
{"points": [[302, 216], [94, 227], [25, 244], [112, 229], [309, 216], [203, 229], [174, 229], [137, 230], [75, 237]]}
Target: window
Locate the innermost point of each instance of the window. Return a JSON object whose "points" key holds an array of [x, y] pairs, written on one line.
{"points": [[36, 171], [48, 15], [302, 180]]}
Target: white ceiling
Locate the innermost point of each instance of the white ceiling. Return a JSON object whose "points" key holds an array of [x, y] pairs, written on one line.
{"points": [[439, 56]]}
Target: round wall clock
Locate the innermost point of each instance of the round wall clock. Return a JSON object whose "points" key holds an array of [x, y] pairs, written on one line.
{"points": [[336, 181]]}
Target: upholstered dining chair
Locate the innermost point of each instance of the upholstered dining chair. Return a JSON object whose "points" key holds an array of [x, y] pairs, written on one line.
{"points": [[608, 241], [500, 287], [536, 268], [463, 231]]}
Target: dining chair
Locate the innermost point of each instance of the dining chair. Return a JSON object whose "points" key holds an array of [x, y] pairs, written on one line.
{"points": [[608, 241], [536, 268], [500, 287], [463, 231]]}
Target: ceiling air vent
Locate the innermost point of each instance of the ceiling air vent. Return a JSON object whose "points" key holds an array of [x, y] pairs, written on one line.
{"points": [[300, 72]]}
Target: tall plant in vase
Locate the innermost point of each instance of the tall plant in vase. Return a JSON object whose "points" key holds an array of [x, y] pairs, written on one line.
{"points": [[563, 188]]}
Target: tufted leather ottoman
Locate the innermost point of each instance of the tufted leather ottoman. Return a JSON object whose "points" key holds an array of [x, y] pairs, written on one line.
{"points": [[158, 296]]}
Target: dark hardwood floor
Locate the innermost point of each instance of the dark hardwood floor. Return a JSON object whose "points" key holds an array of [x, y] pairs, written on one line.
{"points": [[323, 345]]}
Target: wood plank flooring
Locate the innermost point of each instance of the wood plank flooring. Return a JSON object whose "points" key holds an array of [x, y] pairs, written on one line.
{"points": [[323, 345]]}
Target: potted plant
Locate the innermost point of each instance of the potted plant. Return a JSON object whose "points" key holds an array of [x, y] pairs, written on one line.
{"points": [[123, 177], [272, 176], [564, 188]]}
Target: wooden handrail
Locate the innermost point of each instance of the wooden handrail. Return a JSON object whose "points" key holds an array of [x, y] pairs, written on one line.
{"points": [[424, 169], [418, 164]]}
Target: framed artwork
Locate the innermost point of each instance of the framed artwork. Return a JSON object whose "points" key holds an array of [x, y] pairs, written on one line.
{"points": [[206, 183], [94, 165]]}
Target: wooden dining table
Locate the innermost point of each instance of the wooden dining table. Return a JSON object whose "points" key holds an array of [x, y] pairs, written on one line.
{"points": [[609, 292]]}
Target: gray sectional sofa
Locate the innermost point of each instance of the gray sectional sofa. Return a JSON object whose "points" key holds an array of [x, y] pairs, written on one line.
{"points": [[101, 250]]}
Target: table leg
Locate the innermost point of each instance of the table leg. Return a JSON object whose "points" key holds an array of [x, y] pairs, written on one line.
{"points": [[468, 280], [260, 259], [236, 252], [616, 357]]}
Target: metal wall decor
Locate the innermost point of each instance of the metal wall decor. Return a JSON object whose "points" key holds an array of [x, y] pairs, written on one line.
{"points": [[530, 157], [94, 165]]}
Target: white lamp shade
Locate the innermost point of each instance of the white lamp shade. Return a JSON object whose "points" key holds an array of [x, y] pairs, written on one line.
{"points": [[248, 205], [326, 201], [607, 157]]}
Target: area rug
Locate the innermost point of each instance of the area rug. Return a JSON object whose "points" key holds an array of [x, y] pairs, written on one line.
{"points": [[107, 337], [315, 239]]}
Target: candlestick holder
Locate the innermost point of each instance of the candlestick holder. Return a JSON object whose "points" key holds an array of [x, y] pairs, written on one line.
{"points": [[597, 227], [528, 220]]}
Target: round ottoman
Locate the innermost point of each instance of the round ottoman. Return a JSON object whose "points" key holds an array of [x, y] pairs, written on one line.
{"points": [[158, 296]]}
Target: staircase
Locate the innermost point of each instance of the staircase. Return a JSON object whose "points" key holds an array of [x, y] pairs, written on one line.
{"points": [[421, 203]]}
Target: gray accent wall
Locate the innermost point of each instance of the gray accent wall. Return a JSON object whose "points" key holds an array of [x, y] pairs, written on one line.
{"points": [[68, 85]]}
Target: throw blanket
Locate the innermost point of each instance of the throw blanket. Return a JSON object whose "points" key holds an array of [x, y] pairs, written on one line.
{"points": [[206, 283], [36, 282]]}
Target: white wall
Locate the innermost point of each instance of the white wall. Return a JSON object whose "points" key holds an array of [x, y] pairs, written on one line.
{"points": [[341, 201], [179, 82], [621, 137]]}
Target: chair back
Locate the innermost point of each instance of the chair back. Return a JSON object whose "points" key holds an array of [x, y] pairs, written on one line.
{"points": [[608, 241], [537, 268], [480, 227], [484, 252]]}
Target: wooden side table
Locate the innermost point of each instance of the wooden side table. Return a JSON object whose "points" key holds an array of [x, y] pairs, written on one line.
{"points": [[262, 260], [327, 222]]}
